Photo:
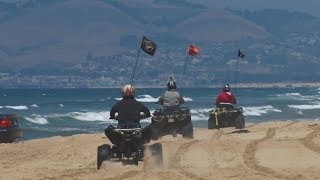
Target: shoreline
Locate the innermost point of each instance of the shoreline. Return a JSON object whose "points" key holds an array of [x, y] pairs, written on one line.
{"points": [[289, 85]]}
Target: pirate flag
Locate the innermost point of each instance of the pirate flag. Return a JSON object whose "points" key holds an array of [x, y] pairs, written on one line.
{"points": [[240, 54], [148, 46]]}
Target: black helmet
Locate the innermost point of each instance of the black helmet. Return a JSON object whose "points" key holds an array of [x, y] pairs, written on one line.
{"points": [[171, 84], [226, 88]]}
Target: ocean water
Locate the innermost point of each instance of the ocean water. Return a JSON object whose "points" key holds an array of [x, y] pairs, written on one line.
{"points": [[52, 112]]}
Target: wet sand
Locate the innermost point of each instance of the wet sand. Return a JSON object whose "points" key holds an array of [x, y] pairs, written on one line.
{"points": [[269, 150]]}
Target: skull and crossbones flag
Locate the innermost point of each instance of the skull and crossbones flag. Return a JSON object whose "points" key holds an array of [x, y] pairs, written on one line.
{"points": [[148, 46], [240, 54]]}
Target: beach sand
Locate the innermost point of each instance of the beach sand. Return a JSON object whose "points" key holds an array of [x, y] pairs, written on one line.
{"points": [[269, 150]]}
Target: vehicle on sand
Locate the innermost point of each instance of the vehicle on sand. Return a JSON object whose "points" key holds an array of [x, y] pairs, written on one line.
{"points": [[226, 115], [9, 128], [172, 121], [131, 149]]}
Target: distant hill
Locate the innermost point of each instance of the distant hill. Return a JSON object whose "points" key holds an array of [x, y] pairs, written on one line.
{"points": [[282, 22], [101, 37], [63, 32]]}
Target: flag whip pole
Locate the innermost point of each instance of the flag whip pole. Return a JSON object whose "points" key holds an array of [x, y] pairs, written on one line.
{"points": [[236, 74], [135, 66], [184, 69]]}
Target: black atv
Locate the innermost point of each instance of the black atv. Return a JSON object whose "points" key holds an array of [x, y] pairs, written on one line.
{"points": [[172, 121], [131, 148], [226, 115], [9, 128]]}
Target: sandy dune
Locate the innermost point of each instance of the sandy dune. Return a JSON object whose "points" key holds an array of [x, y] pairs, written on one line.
{"points": [[271, 150]]}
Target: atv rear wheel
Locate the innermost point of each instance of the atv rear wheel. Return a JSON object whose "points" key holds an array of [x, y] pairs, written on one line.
{"points": [[240, 122], [156, 154], [187, 131], [103, 153], [210, 123]]}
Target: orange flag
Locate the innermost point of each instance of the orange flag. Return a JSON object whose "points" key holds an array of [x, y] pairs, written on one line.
{"points": [[193, 50]]}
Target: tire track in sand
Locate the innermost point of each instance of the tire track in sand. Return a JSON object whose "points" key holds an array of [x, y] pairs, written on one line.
{"points": [[175, 161], [251, 161], [308, 143], [78, 173], [126, 175], [250, 151], [217, 135]]}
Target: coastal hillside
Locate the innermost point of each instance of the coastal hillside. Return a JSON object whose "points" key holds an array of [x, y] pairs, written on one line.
{"points": [[61, 33], [99, 39]]}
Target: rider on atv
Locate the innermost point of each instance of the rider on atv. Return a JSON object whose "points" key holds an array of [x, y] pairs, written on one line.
{"points": [[227, 114], [172, 118], [128, 115], [226, 96], [171, 99]]}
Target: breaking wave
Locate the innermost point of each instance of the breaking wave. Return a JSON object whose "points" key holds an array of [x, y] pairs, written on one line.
{"points": [[259, 110], [37, 119], [17, 107], [305, 106], [149, 98]]}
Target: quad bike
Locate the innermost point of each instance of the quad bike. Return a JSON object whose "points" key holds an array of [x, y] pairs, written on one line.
{"points": [[131, 148], [9, 128], [226, 115], [171, 121]]}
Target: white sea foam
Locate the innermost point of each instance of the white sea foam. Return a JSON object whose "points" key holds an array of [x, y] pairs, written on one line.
{"points": [[296, 96], [17, 107], [90, 116], [34, 105], [37, 119], [292, 94], [199, 117], [300, 112], [146, 98], [305, 106], [259, 110], [187, 99], [204, 110], [61, 105], [148, 120], [149, 98]]}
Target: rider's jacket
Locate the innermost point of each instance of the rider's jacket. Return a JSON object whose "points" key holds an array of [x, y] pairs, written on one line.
{"points": [[128, 110], [226, 97], [171, 98]]}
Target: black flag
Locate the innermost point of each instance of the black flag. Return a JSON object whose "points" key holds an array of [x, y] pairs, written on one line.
{"points": [[148, 46], [240, 54]]}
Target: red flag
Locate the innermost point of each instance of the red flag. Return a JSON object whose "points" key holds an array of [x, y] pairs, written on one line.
{"points": [[193, 50]]}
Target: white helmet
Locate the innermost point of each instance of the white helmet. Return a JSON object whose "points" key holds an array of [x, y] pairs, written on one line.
{"points": [[128, 90]]}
